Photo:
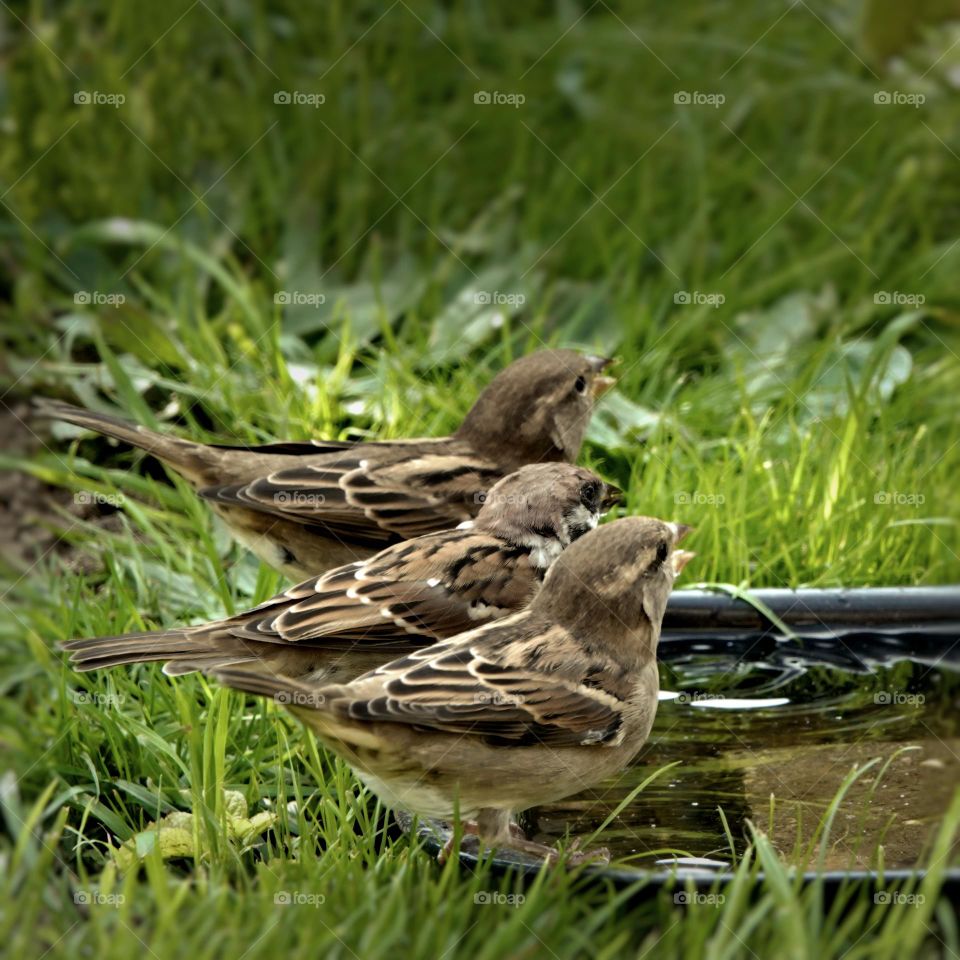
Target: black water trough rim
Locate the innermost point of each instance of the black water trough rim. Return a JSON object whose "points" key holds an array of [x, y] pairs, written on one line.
{"points": [[901, 612], [858, 608], [651, 882]]}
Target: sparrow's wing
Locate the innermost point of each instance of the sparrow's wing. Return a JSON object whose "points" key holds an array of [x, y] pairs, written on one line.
{"points": [[517, 696], [411, 594], [372, 494], [432, 587]]}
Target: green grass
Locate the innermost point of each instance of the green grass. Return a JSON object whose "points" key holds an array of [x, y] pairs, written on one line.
{"points": [[809, 431]]}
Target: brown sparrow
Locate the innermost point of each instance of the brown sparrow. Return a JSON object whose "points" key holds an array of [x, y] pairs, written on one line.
{"points": [[304, 507], [357, 617], [523, 711]]}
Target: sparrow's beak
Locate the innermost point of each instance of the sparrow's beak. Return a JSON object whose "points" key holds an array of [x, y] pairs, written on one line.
{"points": [[599, 364], [679, 559], [680, 530], [600, 384], [611, 496]]}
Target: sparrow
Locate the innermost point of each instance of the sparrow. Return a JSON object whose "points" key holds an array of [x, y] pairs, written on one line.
{"points": [[356, 617], [306, 506], [523, 711]]}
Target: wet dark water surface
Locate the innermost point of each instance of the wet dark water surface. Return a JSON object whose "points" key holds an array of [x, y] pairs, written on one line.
{"points": [[768, 732]]}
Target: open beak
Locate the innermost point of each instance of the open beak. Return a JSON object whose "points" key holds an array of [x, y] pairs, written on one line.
{"points": [[611, 496], [601, 384]]}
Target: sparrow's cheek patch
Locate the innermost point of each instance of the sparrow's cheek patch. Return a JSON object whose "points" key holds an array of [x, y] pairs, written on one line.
{"points": [[579, 521]]}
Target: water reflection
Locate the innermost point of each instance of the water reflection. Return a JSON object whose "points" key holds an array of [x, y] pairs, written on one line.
{"points": [[847, 700]]}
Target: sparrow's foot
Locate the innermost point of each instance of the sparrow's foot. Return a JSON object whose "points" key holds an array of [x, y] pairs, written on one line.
{"points": [[576, 856], [516, 841], [470, 829], [539, 851]]}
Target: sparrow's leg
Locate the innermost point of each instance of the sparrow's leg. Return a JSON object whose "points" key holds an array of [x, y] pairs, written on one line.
{"points": [[471, 828], [496, 830]]}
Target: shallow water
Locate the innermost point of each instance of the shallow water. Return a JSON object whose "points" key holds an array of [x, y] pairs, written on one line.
{"points": [[867, 704]]}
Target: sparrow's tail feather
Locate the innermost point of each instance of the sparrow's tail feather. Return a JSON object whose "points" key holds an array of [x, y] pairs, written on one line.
{"points": [[184, 650], [193, 460]]}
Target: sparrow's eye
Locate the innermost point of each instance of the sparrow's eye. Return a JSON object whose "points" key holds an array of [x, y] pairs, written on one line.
{"points": [[581, 384], [662, 551], [590, 495]]}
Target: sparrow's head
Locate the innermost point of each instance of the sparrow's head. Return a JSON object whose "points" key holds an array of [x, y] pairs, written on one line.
{"points": [[618, 576], [546, 506], [537, 408]]}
